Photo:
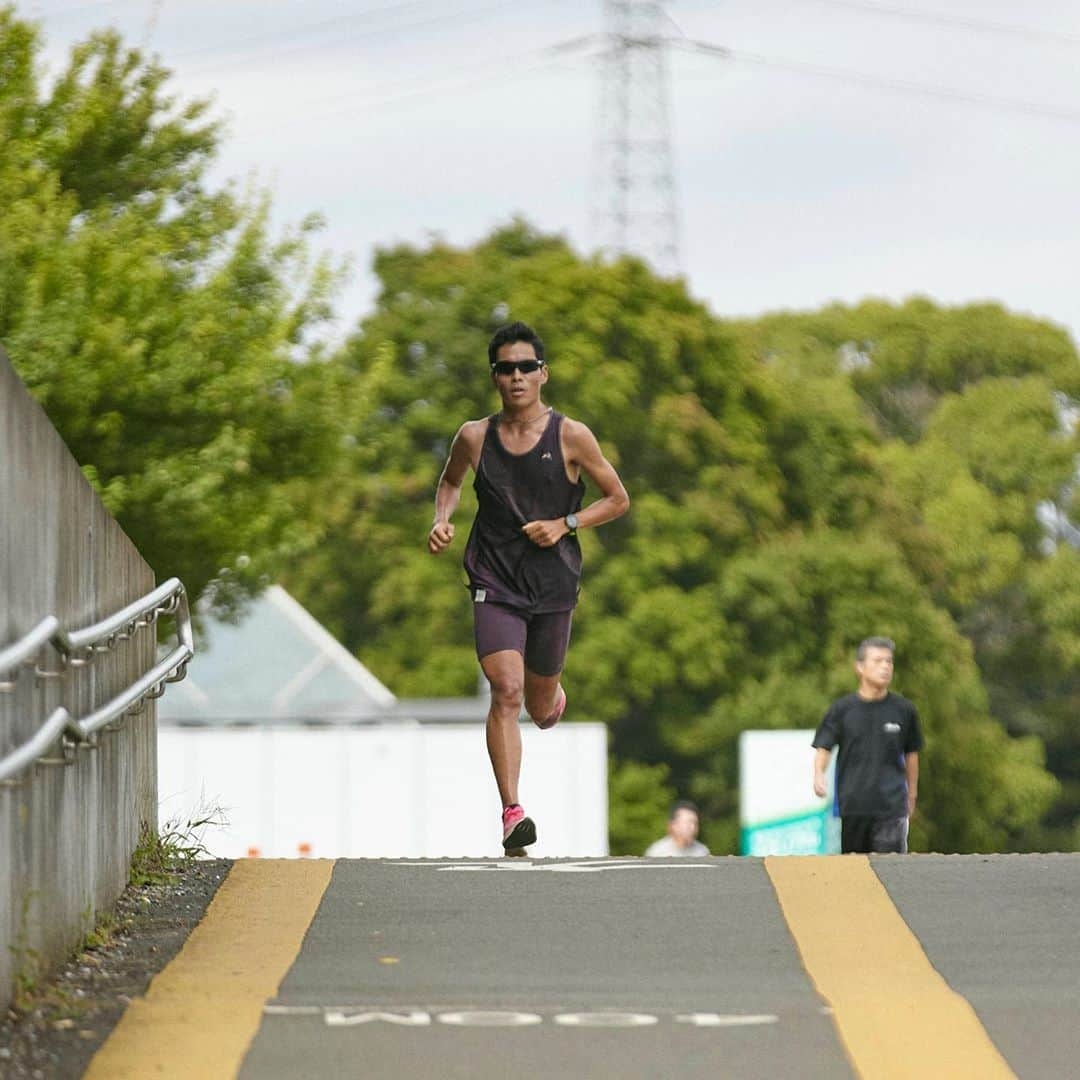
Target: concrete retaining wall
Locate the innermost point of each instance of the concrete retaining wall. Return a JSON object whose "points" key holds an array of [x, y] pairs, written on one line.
{"points": [[66, 832]]}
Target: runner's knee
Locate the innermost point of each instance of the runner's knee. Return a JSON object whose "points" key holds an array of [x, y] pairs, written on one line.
{"points": [[540, 703], [508, 691]]}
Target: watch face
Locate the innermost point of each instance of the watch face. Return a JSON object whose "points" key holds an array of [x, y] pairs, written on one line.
{"points": [[571, 521]]}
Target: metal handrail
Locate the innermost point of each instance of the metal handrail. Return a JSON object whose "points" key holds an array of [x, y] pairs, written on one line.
{"points": [[78, 648], [127, 620], [168, 598], [157, 676], [27, 647], [58, 723]]}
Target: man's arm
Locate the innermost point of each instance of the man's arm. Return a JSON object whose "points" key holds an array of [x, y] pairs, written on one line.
{"points": [[448, 492], [581, 449], [821, 763], [911, 767]]}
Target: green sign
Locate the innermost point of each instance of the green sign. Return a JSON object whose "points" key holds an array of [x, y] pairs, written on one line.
{"points": [[814, 833]]}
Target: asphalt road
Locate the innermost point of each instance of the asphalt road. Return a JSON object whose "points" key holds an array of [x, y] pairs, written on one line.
{"points": [[631, 968], [1004, 931], [532, 945]]}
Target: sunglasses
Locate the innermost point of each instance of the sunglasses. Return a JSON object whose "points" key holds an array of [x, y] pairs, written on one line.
{"points": [[508, 367]]}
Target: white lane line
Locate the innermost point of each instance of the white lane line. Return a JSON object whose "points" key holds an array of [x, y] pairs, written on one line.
{"points": [[485, 1018], [606, 1019], [731, 1020], [520, 866], [343, 1018]]}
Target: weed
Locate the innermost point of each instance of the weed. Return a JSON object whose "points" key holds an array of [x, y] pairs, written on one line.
{"points": [[102, 935], [159, 857], [27, 960], [27, 978]]}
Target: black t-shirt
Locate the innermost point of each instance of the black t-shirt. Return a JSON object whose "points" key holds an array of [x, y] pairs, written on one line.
{"points": [[873, 737]]}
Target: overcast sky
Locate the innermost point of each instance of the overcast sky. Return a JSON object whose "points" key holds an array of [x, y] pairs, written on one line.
{"points": [[799, 180]]}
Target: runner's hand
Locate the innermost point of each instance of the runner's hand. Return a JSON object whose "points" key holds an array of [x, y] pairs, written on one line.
{"points": [[545, 533], [442, 532]]}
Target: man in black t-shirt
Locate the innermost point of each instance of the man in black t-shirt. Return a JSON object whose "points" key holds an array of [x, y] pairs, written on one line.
{"points": [[877, 770]]}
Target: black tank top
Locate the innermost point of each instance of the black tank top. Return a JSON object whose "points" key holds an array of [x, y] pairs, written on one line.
{"points": [[503, 564]]}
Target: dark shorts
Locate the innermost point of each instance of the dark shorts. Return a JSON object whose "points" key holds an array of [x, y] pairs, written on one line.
{"points": [[866, 835], [541, 639]]}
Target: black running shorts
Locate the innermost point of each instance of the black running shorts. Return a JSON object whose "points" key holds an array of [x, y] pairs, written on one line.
{"points": [[541, 639]]}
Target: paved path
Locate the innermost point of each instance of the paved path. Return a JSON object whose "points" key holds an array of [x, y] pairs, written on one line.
{"points": [[918, 966]]}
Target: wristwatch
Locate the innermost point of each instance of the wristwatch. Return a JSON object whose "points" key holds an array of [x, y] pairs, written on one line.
{"points": [[571, 523]]}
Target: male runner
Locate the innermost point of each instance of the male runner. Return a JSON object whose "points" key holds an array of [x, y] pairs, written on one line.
{"points": [[877, 772], [523, 559]]}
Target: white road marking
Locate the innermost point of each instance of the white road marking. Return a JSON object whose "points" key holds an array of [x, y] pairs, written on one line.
{"points": [[605, 1019], [520, 866], [341, 1018], [413, 1016], [479, 1018], [720, 1020]]}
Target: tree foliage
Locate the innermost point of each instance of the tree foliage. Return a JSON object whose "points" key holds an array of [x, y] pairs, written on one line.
{"points": [[167, 334], [799, 481], [780, 514]]}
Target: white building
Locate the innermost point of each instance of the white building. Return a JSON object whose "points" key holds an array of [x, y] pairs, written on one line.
{"points": [[305, 752]]}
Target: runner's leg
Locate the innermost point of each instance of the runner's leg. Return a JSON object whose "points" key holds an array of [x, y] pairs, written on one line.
{"points": [[541, 695], [505, 672], [545, 653], [500, 646]]}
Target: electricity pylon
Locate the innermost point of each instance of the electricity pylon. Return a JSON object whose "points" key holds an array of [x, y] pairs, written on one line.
{"points": [[635, 206]]}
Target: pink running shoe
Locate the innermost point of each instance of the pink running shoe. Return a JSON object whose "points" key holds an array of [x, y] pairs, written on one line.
{"points": [[518, 830], [556, 715]]}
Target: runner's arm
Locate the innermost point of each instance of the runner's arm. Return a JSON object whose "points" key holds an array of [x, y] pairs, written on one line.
{"points": [[614, 502], [448, 492], [582, 449]]}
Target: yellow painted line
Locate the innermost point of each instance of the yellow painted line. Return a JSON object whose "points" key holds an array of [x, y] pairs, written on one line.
{"points": [[897, 1017], [201, 1012]]}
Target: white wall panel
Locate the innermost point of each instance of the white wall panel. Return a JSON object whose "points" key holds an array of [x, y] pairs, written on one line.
{"points": [[392, 790]]}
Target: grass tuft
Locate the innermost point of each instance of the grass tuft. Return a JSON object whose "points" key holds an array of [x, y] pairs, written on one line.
{"points": [[160, 857]]}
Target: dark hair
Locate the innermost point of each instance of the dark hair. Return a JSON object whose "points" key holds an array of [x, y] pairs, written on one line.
{"points": [[874, 643], [515, 331], [683, 804]]}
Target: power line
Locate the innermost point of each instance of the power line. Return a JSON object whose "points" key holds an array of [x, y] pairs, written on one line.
{"points": [[549, 58], [303, 28], [960, 21], [876, 82], [76, 9], [458, 17]]}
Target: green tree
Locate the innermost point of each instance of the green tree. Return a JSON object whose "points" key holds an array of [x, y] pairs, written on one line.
{"points": [[764, 540], [639, 798], [172, 341], [979, 448]]}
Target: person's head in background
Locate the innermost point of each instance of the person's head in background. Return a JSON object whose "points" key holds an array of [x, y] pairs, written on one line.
{"points": [[874, 660], [683, 823]]}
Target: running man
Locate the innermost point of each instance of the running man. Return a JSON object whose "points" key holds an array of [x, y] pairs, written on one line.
{"points": [[522, 558]]}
